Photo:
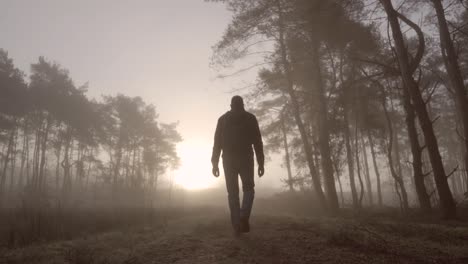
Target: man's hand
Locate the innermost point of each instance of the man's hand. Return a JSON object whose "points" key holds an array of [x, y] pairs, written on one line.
{"points": [[215, 171], [261, 171]]}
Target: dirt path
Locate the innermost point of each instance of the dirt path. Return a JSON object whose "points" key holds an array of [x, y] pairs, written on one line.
{"points": [[195, 239]]}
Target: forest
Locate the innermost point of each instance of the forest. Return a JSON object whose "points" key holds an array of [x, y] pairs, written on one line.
{"points": [[57, 143], [61, 149], [362, 102], [365, 94]]}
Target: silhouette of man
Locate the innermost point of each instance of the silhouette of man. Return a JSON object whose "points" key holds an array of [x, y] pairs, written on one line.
{"points": [[236, 132]]}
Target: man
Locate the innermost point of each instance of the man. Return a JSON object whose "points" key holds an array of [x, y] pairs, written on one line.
{"points": [[236, 132]]}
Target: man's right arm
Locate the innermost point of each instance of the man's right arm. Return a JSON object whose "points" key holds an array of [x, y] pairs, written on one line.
{"points": [[217, 144]]}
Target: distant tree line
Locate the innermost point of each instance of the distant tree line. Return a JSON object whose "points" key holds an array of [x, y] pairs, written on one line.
{"points": [[57, 146], [362, 98]]}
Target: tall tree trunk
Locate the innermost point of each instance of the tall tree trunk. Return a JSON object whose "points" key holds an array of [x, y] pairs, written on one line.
{"points": [[28, 164], [416, 151], [35, 158], [134, 170], [340, 185], [41, 179], [358, 162], [349, 158], [24, 150], [118, 159], [367, 173], [13, 160], [6, 159], [400, 180], [57, 166], [393, 173], [316, 158], [287, 159], [450, 58], [88, 173], [296, 110], [80, 164], [446, 200], [67, 181], [376, 168], [324, 131], [126, 161]]}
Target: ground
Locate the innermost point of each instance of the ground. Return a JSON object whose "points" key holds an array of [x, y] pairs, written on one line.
{"points": [[207, 238]]}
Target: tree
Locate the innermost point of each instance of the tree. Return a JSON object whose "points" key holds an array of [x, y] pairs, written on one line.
{"points": [[13, 107], [457, 82], [52, 123], [447, 203]]}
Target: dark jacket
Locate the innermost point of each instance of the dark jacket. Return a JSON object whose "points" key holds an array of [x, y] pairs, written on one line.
{"points": [[235, 134]]}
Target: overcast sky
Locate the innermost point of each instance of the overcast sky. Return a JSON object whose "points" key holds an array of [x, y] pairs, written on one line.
{"points": [[157, 49]]}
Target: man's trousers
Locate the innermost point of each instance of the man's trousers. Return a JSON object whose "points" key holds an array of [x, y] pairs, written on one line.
{"points": [[233, 168]]}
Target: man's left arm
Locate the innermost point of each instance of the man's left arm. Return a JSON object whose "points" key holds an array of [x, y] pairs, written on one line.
{"points": [[258, 147]]}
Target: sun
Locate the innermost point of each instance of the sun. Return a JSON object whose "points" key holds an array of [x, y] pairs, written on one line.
{"points": [[195, 169]]}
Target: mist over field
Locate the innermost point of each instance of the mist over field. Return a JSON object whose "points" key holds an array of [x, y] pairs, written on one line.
{"points": [[233, 131]]}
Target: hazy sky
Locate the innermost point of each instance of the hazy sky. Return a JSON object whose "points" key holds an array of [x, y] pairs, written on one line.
{"points": [[157, 49]]}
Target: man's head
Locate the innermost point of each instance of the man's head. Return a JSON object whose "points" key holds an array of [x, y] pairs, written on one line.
{"points": [[237, 103]]}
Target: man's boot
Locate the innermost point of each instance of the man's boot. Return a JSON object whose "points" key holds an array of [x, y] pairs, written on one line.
{"points": [[244, 225]]}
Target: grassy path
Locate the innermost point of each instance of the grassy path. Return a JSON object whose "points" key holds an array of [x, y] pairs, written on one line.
{"points": [[195, 239]]}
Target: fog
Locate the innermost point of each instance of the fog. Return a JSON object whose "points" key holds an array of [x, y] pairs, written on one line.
{"points": [[233, 131], [136, 50]]}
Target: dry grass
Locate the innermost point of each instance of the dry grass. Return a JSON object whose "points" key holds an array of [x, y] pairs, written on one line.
{"points": [[204, 236], [23, 227]]}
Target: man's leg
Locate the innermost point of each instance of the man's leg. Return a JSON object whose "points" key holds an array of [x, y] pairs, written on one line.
{"points": [[231, 173], [248, 184]]}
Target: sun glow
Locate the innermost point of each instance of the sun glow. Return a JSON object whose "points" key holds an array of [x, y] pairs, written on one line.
{"points": [[195, 169]]}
